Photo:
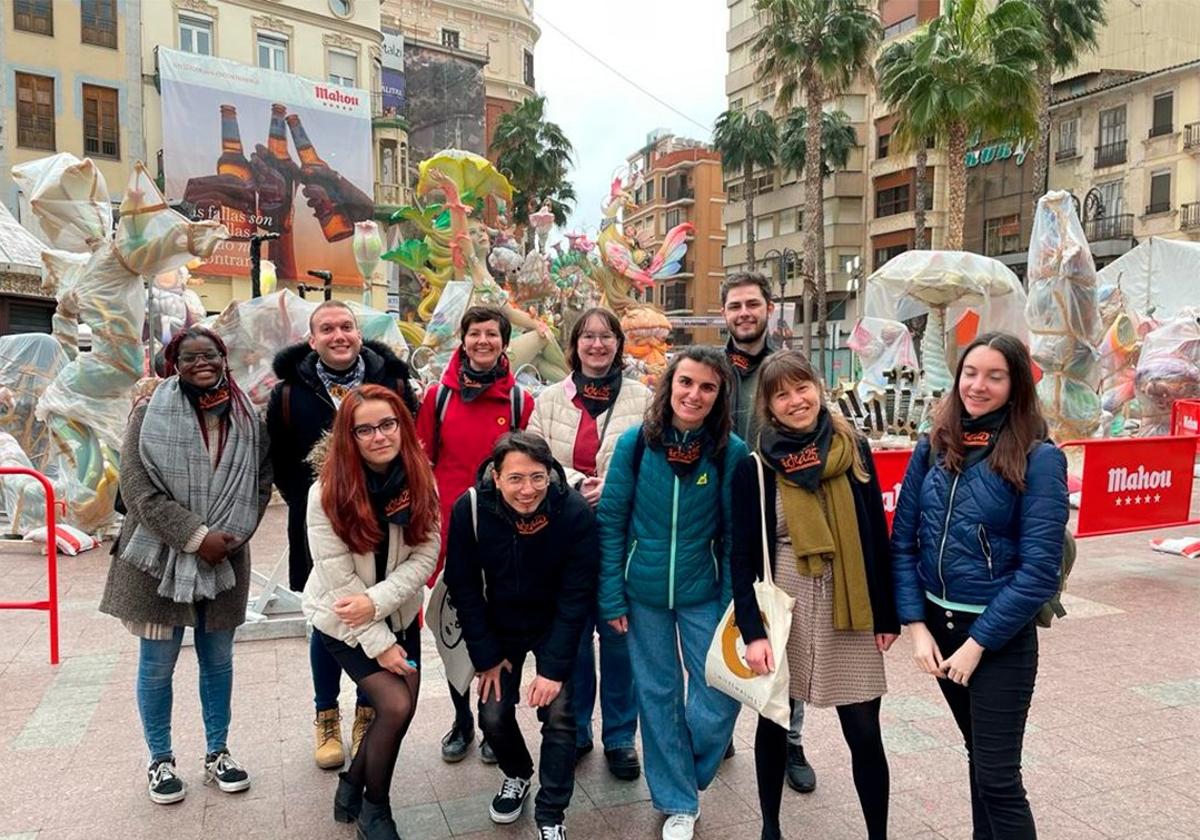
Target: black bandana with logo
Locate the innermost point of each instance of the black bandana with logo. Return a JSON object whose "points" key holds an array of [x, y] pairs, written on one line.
{"points": [[979, 434], [527, 524], [472, 383], [798, 456], [597, 393], [684, 452], [389, 493], [743, 363], [215, 400]]}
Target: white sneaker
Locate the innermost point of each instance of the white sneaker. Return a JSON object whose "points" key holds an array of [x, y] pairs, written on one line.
{"points": [[679, 827]]}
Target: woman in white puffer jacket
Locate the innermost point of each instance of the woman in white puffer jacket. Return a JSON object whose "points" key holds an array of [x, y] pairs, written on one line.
{"points": [[581, 418]]}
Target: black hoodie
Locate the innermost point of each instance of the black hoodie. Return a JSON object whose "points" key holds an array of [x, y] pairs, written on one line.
{"points": [[517, 592], [309, 415]]}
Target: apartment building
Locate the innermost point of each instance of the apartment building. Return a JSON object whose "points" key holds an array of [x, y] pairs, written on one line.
{"points": [[679, 180]]}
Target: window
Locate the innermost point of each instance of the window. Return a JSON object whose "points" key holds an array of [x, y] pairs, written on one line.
{"points": [[34, 16], [1112, 198], [1068, 139], [35, 111], [765, 228], [527, 65], [343, 69], [1111, 150], [650, 190], [787, 223], [1160, 192], [900, 27], [882, 255], [1164, 106], [675, 217], [736, 104], [195, 35], [889, 202], [341, 8], [1002, 235], [272, 52], [882, 144], [450, 39], [735, 233], [101, 122], [99, 22]]}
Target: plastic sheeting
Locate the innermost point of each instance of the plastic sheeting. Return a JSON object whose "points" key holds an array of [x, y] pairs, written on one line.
{"points": [[882, 346], [28, 363], [1064, 318], [20, 251], [69, 200], [1168, 370], [1158, 277]]}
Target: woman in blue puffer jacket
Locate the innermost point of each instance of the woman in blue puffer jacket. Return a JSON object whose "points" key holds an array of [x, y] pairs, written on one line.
{"points": [[664, 522], [977, 544]]}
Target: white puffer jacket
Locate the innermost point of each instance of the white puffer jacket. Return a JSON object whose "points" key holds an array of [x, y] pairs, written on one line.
{"points": [[556, 419], [338, 572]]}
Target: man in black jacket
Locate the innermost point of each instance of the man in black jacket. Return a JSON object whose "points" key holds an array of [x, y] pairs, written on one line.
{"points": [[521, 569], [313, 378]]}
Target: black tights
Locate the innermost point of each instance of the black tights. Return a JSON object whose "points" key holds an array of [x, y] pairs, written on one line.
{"points": [[860, 728], [394, 699]]}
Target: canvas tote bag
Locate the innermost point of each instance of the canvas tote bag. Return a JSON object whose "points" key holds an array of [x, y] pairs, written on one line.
{"points": [[442, 618], [725, 667]]}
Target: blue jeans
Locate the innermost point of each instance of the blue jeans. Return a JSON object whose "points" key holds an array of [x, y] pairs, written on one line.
{"points": [[618, 706], [683, 738], [327, 676], [155, 677]]}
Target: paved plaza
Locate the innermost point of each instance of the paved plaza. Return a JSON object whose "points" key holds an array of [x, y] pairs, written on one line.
{"points": [[1113, 748]]}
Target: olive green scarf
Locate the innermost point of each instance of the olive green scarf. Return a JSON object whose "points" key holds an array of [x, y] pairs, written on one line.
{"points": [[823, 526]]}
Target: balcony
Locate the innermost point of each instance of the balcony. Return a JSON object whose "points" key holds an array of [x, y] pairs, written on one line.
{"points": [[391, 195], [1189, 216], [1066, 154], [388, 116], [1191, 136], [1158, 207], [1161, 130], [1109, 227], [1111, 154], [680, 194]]}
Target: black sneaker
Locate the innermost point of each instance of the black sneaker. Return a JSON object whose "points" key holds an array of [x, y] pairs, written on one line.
{"points": [[220, 767], [456, 741], [486, 755], [551, 832], [165, 786], [800, 775], [508, 804], [623, 763]]}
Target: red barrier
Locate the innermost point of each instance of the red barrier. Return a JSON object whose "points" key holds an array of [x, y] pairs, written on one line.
{"points": [[1185, 417], [890, 466], [50, 605], [1135, 484]]}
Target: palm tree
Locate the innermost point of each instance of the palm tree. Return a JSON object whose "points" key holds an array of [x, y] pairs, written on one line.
{"points": [[1070, 28], [969, 69], [818, 46], [746, 142], [907, 137], [534, 154], [838, 139]]}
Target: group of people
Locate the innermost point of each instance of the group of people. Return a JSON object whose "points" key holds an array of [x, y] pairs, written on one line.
{"points": [[600, 512]]}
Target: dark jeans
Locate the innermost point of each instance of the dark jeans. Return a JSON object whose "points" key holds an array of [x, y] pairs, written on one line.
{"points": [[991, 711], [556, 766], [618, 704], [327, 676]]}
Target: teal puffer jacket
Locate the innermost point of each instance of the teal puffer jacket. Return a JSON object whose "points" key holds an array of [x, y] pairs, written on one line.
{"points": [[664, 541]]}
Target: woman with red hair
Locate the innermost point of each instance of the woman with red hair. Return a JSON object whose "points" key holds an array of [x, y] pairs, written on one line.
{"points": [[374, 536]]}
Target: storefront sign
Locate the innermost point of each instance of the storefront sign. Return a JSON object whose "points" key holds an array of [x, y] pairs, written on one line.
{"points": [[1135, 484], [997, 152]]}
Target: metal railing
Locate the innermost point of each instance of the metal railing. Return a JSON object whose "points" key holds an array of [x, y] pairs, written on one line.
{"points": [[1189, 216], [1160, 130], [1066, 154], [1160, 207], [1111, 154], [1191, 136], [50, 605], [1109, 227]]}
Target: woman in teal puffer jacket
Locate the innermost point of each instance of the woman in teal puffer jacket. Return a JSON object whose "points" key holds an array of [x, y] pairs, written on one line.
{"points": [[664, 521]]}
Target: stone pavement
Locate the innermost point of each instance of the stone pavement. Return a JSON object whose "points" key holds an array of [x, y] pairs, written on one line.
{"points": [[1113, 749]]}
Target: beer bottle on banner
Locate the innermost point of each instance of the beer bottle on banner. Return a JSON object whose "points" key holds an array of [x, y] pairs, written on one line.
{"points": [[334, 224], [277, 142], [282, 250], [233, 162]]}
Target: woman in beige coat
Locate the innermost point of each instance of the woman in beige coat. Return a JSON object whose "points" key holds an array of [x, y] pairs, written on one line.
{"points": [[581, 418], [374, 538]]}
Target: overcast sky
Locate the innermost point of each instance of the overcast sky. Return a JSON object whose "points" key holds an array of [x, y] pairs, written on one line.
{"points": [[675, 49]]}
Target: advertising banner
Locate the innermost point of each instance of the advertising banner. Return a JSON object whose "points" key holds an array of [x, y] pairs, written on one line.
{"points": [[392, 72], [890, 466], [1134, 484], [264, 151]]}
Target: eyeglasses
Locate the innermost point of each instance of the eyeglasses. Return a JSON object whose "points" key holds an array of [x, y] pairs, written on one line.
{"points": [[366, 431], [517, 480], [206, 356], [598, 338]]}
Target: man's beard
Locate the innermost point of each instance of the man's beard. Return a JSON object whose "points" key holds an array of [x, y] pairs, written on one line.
{"points": [[761, 329]]}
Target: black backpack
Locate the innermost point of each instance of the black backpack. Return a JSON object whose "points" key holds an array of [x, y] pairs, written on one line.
{"points": [[516, 399]]}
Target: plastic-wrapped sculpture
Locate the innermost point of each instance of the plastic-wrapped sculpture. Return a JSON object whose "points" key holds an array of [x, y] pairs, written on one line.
{"points": [[1119, 350], [1064, 318], [1168, 370], [883, 346], [87, 404], [175, 306]]}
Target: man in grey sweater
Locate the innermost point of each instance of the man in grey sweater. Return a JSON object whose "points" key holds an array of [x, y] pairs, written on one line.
{"points": [[746, 304]]}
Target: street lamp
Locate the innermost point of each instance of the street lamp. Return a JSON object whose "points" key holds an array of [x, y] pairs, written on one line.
{"points": [[786, 258]]}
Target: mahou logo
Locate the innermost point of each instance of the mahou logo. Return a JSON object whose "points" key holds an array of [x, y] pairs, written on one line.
{"points": [[976, 438], [688, 453], [398, 504], [806, 458], [213, 398], [740, 361], [597, 392], [335, 96], [525, 527]]}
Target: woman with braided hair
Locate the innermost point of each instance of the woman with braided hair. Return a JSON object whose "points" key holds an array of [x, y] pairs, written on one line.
{"points": [[195, 481]]}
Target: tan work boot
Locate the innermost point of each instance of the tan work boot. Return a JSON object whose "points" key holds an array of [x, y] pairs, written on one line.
{"points": [[327, 733], [363, 715]]}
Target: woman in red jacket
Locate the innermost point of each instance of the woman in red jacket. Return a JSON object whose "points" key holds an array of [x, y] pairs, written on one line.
{"points": [[476, 402]]}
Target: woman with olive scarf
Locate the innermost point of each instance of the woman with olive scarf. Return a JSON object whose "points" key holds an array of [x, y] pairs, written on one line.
{"points": [[195, 481], [827, 536]]}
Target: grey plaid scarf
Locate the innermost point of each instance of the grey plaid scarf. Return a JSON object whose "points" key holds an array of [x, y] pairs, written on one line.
{"points": [[338, 383], [225, 498]]}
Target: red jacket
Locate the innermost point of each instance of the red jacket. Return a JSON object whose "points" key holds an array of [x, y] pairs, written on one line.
{"points": [[468, 432]]}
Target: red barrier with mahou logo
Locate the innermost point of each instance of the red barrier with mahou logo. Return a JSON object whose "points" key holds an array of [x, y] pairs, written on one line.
{"points": [[1185, 417], [1135, 484]]}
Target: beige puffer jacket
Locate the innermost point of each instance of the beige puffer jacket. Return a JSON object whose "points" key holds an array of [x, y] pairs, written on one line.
{"points": [[556, 419], [338, 572]]}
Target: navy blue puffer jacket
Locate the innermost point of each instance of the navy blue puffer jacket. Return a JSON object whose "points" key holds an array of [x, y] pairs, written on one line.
{"points": [[973, 538]]}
